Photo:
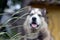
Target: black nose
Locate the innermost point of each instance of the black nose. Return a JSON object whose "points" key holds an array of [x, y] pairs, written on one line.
{"points": [[34, 19]]}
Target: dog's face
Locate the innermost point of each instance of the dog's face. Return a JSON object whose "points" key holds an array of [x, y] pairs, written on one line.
{"points": [[34, 19]]}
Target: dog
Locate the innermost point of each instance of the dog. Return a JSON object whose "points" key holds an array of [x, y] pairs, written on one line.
{"points": [[35, 26]]}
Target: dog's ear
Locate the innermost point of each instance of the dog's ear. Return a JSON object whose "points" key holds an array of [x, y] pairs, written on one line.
{"points": [[29, 9], [43, 11]]}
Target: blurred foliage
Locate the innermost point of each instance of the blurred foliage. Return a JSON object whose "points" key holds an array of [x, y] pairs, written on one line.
{"points": [[3, 4], [15, 35], [15, 1]]}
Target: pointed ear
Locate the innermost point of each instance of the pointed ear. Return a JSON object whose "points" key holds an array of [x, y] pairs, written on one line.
{"points": [[43, 11], [29, 8]]}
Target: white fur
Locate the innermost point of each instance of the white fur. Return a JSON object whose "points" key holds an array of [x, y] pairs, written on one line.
{"points": [[40, 21], [35, 11]]}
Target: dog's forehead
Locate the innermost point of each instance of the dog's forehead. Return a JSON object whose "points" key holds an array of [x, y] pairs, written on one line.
{"points": [[36, 11]]}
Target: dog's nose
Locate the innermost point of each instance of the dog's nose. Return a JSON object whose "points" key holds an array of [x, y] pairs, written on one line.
{"points": [[34, 19]]}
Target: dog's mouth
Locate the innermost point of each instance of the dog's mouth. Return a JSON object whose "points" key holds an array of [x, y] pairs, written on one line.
{"points": [[34, 25]]}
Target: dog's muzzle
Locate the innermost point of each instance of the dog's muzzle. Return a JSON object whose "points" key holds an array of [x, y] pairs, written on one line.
{"points": [[34, 24]]}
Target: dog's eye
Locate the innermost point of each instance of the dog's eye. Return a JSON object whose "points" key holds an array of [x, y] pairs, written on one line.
{"points": [[39, 15], [31, 14]]}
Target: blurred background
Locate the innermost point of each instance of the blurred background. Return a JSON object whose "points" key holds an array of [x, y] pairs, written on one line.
{"points": [[12, 17]]}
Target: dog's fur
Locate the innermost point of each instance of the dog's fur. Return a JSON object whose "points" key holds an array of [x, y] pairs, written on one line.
{"points": [[41, 32]]}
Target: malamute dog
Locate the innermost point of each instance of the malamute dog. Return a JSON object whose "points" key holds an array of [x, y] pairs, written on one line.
{"points": [[35, 26]]}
